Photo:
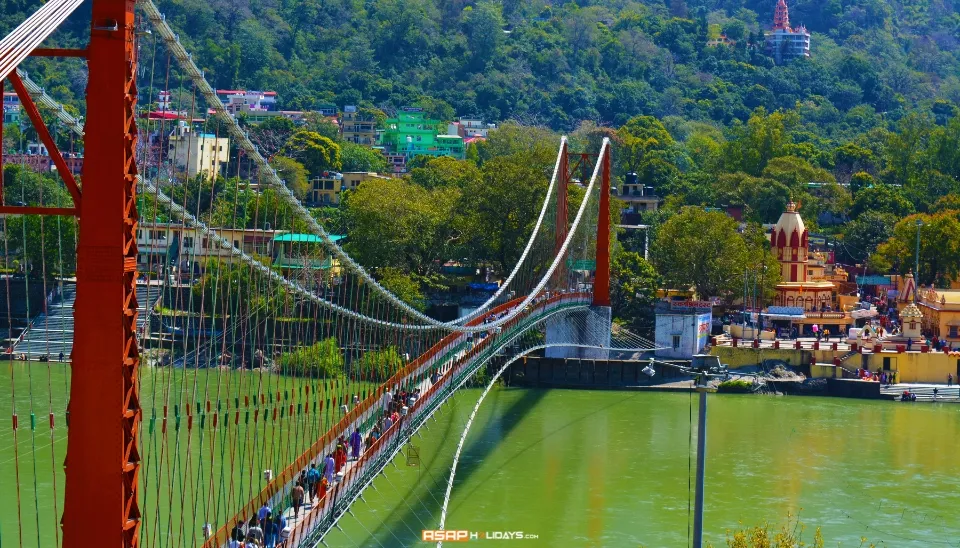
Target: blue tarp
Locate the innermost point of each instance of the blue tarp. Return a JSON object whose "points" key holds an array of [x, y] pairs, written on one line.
{"points": [[484, 286]]}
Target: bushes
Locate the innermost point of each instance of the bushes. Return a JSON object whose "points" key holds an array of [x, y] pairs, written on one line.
{"points": [[735, 386], [378, 365], [322, 360]]}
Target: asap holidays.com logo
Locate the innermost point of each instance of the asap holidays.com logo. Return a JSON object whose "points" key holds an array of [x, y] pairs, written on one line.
{"points": [[463, 535]]}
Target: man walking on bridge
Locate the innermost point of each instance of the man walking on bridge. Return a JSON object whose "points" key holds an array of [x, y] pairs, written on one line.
{"points": [[355, 442], [313, 476]]}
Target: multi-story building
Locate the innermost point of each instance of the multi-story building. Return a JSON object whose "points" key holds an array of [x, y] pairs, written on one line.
{"points": [[470, 127], [356, 127], [329, 188], [638, 197], [38, 159], [783, 42], [411, 134], [11, 108], [238, 100], [198, 153], [172, 247]]}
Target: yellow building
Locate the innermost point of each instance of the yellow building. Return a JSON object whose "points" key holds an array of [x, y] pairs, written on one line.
{"points": [[941, 313], [198, 153], [327, 189]]}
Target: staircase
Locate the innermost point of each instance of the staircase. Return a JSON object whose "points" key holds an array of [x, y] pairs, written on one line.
{"points": [[924, 392], [52, 333]]}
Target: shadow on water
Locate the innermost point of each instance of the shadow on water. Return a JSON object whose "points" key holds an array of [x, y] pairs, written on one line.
{"points": [[477, 449]]}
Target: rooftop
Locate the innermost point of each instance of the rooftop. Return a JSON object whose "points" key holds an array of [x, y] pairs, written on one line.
{"points": [[306, 238]]}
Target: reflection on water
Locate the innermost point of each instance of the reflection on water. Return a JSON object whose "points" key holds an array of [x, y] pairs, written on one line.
{"points": [[592, 468]]}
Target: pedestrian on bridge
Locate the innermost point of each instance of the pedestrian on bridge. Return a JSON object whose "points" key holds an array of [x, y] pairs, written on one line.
{"points": [[329, 468], [263, 512], [387, 400], [296, 496], [254, 532], [313, 476], [340, 454], [356, 440]]}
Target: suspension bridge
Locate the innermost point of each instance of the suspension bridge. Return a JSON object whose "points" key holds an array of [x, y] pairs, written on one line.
{"points": [[203, 378]]}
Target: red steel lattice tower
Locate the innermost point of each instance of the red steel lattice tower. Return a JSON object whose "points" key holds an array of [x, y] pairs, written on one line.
{"points": [[104, 410]]}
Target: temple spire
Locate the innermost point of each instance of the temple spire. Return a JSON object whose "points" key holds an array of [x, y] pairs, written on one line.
{"points": [[781, 17]]}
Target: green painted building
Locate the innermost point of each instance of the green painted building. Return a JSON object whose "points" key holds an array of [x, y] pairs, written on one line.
{"points": [[412, 134]]}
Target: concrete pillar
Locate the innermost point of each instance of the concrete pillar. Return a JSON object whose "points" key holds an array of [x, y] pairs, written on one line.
{"points": [[562, 329]]}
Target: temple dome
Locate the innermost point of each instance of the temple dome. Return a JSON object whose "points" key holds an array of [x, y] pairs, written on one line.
{"points": [[790, 221], [911, 312]]}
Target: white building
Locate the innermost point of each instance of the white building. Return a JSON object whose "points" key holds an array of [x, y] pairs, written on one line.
{"points": [[198, 153], [238, 100], [682, 328], [470, 127]]}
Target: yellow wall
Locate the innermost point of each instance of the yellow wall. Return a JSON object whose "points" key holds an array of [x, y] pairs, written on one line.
{"points": [[932, 367], [911, 367]]}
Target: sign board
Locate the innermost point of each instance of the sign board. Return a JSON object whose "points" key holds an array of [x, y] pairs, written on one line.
{"points": [[785, 310], [582, 264], [691, 304]]}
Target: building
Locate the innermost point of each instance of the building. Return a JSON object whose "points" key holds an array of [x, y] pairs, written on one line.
{"points": [[238, 100], [327, 109], [293, 252], [721, 40], [940, 309], [783, 42], [789, 243], [411, 134], [38, 159], [470, 127], [357, 127], [173, 247], [682, 328], [328, 189], [639, 198], [199, 153], [11, 108]]}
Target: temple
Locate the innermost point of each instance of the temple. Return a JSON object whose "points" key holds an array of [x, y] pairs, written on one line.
{"points": [[789, 243], [783, 42]]}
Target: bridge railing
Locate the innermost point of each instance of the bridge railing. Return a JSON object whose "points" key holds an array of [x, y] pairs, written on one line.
{"points": [[338, 499], [442, 356]]}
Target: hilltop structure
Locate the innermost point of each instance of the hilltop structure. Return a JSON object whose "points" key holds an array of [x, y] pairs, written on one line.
{"points": [[783, 42]]}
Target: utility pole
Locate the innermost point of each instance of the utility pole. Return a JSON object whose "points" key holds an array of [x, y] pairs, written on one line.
{"points": [[701, 460], [916, 267]]}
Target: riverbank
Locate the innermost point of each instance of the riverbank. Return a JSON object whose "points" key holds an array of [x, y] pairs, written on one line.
{"points": [[627, 375]]}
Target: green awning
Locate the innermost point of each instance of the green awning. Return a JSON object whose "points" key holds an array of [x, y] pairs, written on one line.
{"points": [[305, 238]]}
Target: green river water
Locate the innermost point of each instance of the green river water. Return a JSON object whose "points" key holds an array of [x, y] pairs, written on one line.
{"points": [[574, 467], [605, 468]]}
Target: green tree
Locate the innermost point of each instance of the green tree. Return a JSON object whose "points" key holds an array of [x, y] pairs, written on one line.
{"points": [[444, 171], [939, 248], [356, 157], [403, 286], [703, 250], [395, 223], [633, 291], [483, 24], [316, 152], [321, 360], [293, 174], [862, 235], [762, 138], [378, 365], [881, 199]]}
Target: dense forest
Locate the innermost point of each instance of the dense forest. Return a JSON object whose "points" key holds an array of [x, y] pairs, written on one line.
{"points": [[865, 134]]}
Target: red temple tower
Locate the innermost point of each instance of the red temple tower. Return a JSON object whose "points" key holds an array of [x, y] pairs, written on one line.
{"points": [[781, 17]]}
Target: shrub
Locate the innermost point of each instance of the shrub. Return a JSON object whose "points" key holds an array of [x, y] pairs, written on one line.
{"points": [[321, 360], [736, 386], [378, 365]]}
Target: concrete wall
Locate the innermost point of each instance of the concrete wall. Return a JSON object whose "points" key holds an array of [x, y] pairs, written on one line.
{"points": [[693, 330], [585, 373], [911, 367]]}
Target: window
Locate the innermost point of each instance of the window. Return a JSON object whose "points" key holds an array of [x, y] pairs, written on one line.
{"points": [[157, 235], [328, 185], [188, 242], [236, 244], [953, 332], [676, 342]]}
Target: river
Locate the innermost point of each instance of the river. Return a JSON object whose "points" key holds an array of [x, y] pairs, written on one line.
{"points": [[606, 468]]}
